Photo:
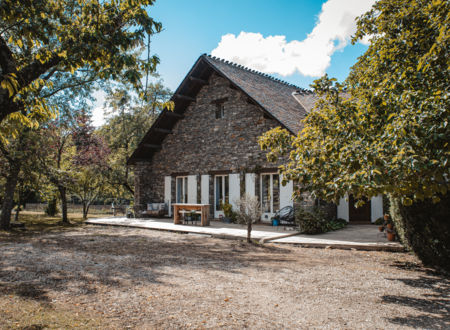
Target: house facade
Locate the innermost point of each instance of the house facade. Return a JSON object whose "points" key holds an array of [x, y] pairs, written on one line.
{"points": [[206, 150]]}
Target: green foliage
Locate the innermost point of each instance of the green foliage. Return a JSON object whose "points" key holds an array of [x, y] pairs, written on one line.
{"points": [[337, 224], [424, 227], [386, 129], [52, 207], [227, 209], [42, 41], [379, 221], [128, 120], [314, 221]]}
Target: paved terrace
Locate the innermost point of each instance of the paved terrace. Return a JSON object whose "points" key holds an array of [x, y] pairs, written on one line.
{"points": [[361, 237]]}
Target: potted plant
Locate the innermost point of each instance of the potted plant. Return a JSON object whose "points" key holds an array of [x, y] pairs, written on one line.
{"points": [[390, 234], [228, 212], [380, 223]]}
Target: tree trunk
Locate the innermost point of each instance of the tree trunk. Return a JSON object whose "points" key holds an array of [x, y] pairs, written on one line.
{"points": [[16, 216], [85, 210], [249, 232], [8, 199], [62, 194], [425, 228]]}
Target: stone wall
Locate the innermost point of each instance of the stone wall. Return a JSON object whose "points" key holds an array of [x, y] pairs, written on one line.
{"points": [[200, 143]]}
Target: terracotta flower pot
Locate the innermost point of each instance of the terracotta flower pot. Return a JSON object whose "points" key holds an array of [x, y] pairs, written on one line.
{"points": [[390, 226], [390, 236], [380, 228]]}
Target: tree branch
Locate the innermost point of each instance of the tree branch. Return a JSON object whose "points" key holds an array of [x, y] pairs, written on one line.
{"points": [[7, 62], [81, 83]]}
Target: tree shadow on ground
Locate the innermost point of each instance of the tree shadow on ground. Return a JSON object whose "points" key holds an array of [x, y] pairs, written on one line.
{"points": [[435, 306], [81, 261], [25, 290]]}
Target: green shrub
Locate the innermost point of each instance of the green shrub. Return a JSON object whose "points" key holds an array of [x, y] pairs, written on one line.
{"points": [[52, 207], [227, 209], [337, 224], [311, 221], [424, 227], [341, 221], [379, 221], [315, 221]]}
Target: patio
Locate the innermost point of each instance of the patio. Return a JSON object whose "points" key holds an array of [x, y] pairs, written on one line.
{"points": [[361, 237]]}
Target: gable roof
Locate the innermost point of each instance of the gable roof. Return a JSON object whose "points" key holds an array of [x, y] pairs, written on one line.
{"points": [[273, 95], [284, 102]]}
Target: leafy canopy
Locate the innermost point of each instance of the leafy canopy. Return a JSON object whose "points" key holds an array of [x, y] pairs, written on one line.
{"points": [[386, 129], [89, 39], [128, 119]]}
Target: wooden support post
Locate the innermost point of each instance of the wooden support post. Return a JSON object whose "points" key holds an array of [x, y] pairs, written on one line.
{"points": [[152, 146], [163, 130], [198, 80], [184, 97], [173, 114]]}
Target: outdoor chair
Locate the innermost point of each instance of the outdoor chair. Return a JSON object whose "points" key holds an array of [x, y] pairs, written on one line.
{"points": [[285, 217]]}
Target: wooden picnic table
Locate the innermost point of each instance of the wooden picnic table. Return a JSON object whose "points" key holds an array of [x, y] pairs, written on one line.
{"points": [[202, 209]]}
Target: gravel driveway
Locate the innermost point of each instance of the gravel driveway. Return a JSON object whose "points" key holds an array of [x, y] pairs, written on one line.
{"points": [[110, 277]]}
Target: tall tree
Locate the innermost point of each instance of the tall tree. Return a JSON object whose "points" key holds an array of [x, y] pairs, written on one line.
{"points": [[386, 129], [128, 119], [56, 160], [16, 156], [89, 163], [90, 39]]}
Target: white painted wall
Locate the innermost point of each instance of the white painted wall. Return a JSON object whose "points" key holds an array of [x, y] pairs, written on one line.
{"points": [[204, 188], [250, 183], [168, 193], [192, 189], [376, 210], [235, 189], [286, 193], [342, 209]]}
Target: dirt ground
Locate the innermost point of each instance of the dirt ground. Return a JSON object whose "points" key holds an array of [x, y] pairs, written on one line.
{"points": [[111, 277]]}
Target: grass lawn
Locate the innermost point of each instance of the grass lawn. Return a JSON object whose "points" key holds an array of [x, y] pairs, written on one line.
{"points": [[39, 221], [86, 276]]}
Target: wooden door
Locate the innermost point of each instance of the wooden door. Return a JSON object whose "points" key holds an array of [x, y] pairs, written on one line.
{"points": [[360, 214]]}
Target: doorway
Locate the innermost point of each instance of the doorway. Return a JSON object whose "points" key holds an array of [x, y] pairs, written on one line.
{"points": [[221, 194], [270, 195], [361, 214]]}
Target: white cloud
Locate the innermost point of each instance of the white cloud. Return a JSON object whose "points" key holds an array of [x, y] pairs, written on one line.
{"points": [[98, 118], [311, 56]]}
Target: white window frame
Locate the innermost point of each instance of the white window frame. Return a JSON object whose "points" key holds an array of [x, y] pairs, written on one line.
{"points": [[265, 216], [219, 212], [184, 189]]}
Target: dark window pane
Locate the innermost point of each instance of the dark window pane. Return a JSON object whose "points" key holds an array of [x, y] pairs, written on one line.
{"points": [[179, 189], [220, 111], [218, 193], [185, 190], [276, 193], [227, 189], [265, 198]]}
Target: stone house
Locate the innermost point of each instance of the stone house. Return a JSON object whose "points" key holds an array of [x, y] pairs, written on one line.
{"points": [[206, 150]]}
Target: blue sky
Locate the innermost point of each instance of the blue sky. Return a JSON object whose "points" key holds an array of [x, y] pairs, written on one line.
{"points": [[297, 40]]}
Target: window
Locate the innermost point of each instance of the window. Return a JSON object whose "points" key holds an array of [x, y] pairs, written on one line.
{"points": [[220, 110], [182, 189], [222, 191], [270, 193]]}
